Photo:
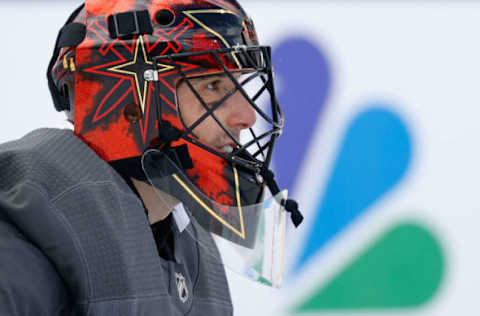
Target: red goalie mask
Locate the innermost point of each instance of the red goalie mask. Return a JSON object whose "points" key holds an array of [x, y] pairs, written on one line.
{"points": [[129, 74]]}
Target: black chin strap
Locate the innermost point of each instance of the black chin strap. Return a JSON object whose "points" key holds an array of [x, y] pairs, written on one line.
{"points": [[291, 205], [178, 154], [167, 133]]}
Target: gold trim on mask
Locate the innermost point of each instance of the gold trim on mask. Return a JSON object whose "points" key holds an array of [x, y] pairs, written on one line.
{"points": [[240, 233], [190, 14], [65, 62]]}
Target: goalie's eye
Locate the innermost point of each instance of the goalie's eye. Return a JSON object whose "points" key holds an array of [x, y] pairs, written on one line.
{"points": [[214, 85]]}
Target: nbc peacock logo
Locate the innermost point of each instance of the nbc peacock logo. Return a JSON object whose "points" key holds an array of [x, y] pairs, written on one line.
{"points": [[361, 249]]}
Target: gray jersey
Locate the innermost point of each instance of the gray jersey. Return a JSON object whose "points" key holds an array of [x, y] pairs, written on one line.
{"points": [[75, 240]]}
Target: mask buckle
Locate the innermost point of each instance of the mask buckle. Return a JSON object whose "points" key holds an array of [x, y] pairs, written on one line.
{"points": [[129, 23]]}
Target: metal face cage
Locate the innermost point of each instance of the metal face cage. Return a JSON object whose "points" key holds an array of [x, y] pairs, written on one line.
{"points": [[255, 64]]}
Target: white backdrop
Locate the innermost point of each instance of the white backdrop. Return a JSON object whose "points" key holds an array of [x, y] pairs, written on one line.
{"points": [[422, 58]]}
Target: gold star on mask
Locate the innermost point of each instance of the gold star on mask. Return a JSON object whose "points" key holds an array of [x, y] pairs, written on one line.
{"points": [[137, 67]]}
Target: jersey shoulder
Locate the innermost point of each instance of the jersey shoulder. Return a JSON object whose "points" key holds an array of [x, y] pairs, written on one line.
{"points": [[54, 160]]}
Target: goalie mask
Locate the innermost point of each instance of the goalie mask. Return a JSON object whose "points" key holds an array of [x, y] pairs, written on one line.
{"points": [[179, 94]]}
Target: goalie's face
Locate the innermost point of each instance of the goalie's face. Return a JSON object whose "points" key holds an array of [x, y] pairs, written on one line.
{"points": [[234, 113]]}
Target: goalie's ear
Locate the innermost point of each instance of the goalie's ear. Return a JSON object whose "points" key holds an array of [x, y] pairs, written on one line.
{"points": [[107, 7]]}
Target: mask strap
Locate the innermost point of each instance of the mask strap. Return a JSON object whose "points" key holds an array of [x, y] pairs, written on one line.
{"points": [[290, 205], [71, 34]]}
